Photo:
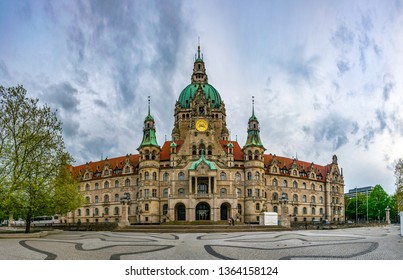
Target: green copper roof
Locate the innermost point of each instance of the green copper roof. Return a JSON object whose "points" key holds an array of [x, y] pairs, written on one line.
{"points": [[149, 117], [210, 164], [253, 139], [149, 138], [189, 93]]}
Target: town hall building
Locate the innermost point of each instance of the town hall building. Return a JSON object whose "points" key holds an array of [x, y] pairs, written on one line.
{"points": [[202, 175]]}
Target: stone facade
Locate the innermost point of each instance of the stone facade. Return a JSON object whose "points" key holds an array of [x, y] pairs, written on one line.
{"points": [[201, 175]]}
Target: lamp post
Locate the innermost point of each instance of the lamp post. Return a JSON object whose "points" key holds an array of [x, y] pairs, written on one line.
{"points": [[125, 201]]}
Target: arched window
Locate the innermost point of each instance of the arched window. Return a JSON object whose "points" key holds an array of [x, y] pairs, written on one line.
{"points": [[275, 183], [304, 186], [275, 196], [304, 198], [223, 191], [238, 192], [87, 200], [96, 186], [249, 155], [223, 176], [106, 211], [295, 211], [96, 210], [249, 176], [127, 182], [320, 199], [256, 155], [238, 176], [194, 150], [312, 199], [304, 211], [295, 197], [181, 191], [116, 211], [332, 188], [321, 211], [239, 208], [275, 209], [155, 176], [146, 176], [117, 197], [127, 169], [165, 192], [295, 185], [165, 209], [285, 183], [106, 198], [181, 176], [87, 212], [166, 177], [116, 183], [209, 150], [87, 187], [313, 211], [106, 185], [321, 188], [257, 176], [79, 212], [96, 199], [313, 186]]}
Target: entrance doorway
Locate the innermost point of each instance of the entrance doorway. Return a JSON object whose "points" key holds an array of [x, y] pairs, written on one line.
{"points": [[224, 212], [180, 212], [203, 212]]}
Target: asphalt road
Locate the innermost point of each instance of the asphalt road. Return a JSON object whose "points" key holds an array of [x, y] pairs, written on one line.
{"points": [[372, 243]]}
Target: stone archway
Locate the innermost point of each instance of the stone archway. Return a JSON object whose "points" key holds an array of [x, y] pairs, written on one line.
{"points": [[180, 212], [203, 211]]}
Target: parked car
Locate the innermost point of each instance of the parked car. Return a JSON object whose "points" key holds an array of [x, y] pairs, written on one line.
{"points": [[18, 223], [4, 223]]}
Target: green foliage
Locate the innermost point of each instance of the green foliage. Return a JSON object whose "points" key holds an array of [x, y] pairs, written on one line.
{"points": [[356, 207], [32, 153], [399, 184], [378, 201]]}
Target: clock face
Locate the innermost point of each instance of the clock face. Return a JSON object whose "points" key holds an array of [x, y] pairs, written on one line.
{"points": [[201, 125]]}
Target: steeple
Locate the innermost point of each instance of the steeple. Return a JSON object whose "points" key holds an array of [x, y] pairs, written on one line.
{"points": [[149, 135], [253, 129], [199, 71]]}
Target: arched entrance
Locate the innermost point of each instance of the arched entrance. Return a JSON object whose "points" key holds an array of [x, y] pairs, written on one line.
{"points": [[202, 212], [180, 210], [225, 211]]}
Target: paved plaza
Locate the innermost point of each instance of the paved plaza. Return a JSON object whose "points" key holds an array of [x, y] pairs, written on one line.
{"points": [[368, 243]]}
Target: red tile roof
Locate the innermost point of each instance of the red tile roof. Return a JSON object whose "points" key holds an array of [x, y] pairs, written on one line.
{"points": [[238, 153], [165, 153]]}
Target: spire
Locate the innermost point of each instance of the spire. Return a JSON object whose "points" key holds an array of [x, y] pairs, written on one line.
{"points": [[253, 129], [149, 135], [149, 105], [253, 105], [198, 48]]}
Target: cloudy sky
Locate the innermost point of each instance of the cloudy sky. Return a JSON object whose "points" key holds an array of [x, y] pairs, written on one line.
{"points": [[326, 75]]}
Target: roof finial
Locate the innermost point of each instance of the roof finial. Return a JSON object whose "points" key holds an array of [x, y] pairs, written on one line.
{"points": [[148, 105], [198, 47], [253, 105]]}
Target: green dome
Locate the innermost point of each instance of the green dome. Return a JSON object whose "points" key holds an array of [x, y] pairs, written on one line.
{"points": [[190, 91]]}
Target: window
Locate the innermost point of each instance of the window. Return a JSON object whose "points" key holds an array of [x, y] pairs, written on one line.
{"points": [[313, 211], [249, 192], [87, 200], [79, 212], [223, 176], [154, 193], [304, 198], [87, 212], [304, 211], [321, 211], [313, 187], [165, 193], [257, 176], [275, 196], [275, 183], [320, 199], [146, 193], [146, 176], [223, 191], [87, 187], [274, 169], [166, 177], [106, 185], [146, 207], [285, 184], [96, 199], [237, 176], [127, 169], [312, 199], [116, 211], [321, 188], [304, 186], [106, 211], [249, 176], [239, 207], [96, 186], [117, 197], [275, 209], [117, 184], [181, 191], [295, 210], [295, 197], [127, 183], [238, 192], [257, 192], [181, 176], [96, 212], [154, 176], [165, 209], [257, 206], [106, 198], [295, 185]]}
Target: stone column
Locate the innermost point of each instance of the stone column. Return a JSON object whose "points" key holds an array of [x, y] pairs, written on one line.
{"points": [[387, 215], [124, 220]]}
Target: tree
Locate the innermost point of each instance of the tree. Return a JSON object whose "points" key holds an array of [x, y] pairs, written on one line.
{"points": [[356, 207], [378, 201], [399, 184], [32, 154]]}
